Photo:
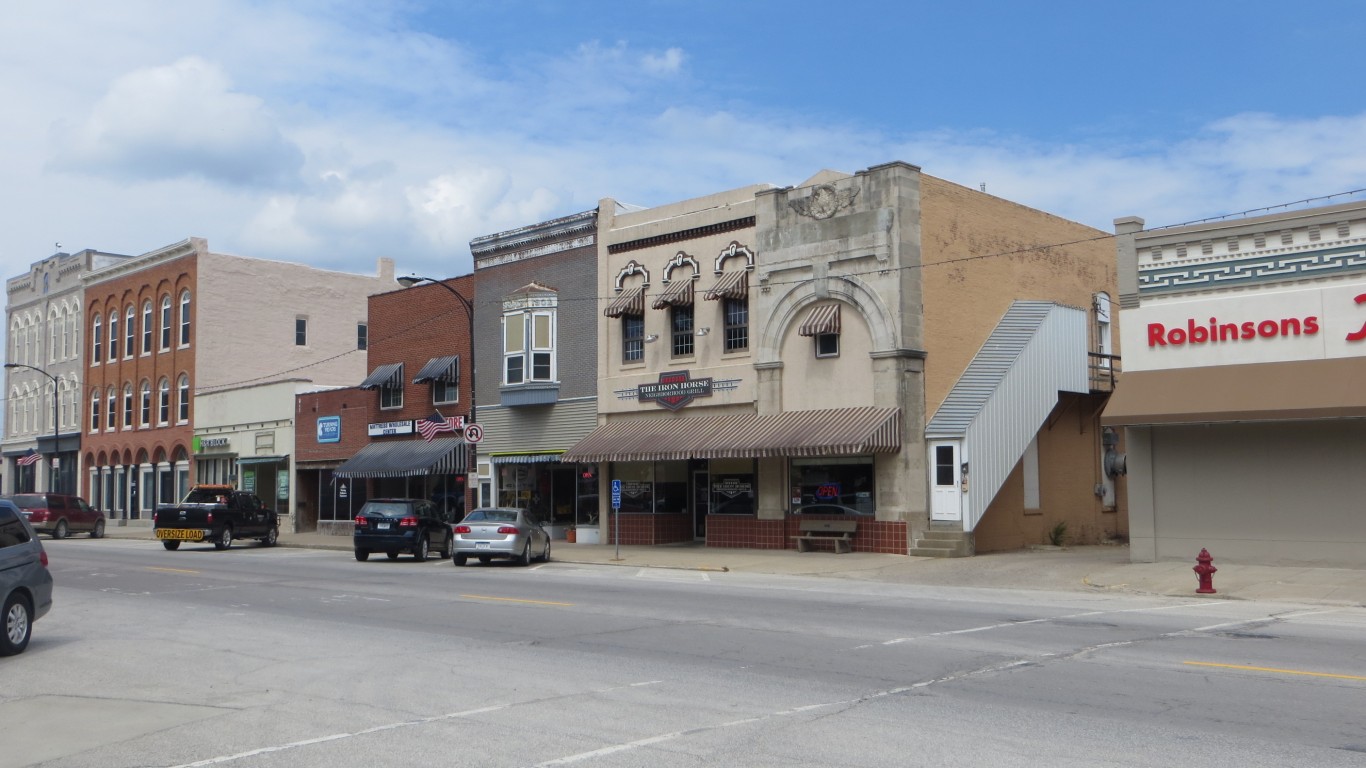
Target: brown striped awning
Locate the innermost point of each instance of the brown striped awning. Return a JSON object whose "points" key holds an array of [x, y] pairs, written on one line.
{"points": [[678, 294], [829, 432], [730, 285], [823, 319], [628, 302]]}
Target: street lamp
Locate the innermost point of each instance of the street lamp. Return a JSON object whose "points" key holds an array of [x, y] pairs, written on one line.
{"points": [[52, 471], [412, 280]]}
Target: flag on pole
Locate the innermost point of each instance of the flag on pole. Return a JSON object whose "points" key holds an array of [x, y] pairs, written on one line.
{"points": [[433, 425], [30, 458]]}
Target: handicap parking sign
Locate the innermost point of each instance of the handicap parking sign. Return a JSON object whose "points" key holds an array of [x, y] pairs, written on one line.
{"points": [[616, 494]]}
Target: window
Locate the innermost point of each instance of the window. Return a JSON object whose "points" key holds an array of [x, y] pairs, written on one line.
{"points": [[681, 326], [632, 338], [127, 406], [362, 336], [185, 319], [833, 485], [165, 323], [97, 341], [514, 348], [164, 402], [147, 328], [391, 391], [542, 346], [828, 345], [528, 347], [300, 331], [446, 388], [112, 414], [146, 410], [95, 412], [130, 334], [737, 324], [113, 335], [184, 398]]}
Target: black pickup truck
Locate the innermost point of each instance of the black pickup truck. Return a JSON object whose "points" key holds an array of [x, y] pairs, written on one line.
{"points": [[216, 513]]}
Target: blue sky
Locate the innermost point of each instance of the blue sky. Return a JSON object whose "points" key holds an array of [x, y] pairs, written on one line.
{"points": [[333, 132]]}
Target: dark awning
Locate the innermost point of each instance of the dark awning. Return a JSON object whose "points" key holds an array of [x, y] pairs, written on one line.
{"points": [[629, 302], [529, 457], [823, 319], [407, 458], [1306, 389], [678, 294], [440, 369], [383, 376], [261, 459], [730, 285], [829, 432]]}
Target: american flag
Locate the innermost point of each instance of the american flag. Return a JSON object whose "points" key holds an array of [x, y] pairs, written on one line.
{"points": [[32, 457], [433, 425]]}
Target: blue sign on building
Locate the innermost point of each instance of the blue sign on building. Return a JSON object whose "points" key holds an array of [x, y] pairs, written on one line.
{"points": [[616, 494], [329, 429]]}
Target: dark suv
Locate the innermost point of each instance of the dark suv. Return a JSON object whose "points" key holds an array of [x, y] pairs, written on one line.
{"points": [[393, 526], [58, 514], [25, 584]]}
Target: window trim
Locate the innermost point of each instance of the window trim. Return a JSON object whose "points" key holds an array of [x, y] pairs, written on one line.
{"points": [[185, 318], [301, 330], [147, 327], [682, 342], [632, 342], [833, 338], [97, 345], [165, 322], [731, 330], [130, 332], [183, 399]]}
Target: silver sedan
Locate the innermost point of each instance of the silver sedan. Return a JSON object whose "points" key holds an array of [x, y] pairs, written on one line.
{"points": [[506, 533]]}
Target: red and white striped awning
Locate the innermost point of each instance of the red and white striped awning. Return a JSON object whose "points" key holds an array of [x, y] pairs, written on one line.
{"points": [[678, 294], [823, 319], [628, 302], [730, 285]]}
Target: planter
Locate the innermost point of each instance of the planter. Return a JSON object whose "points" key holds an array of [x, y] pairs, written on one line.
{"points": [[570, 535]]}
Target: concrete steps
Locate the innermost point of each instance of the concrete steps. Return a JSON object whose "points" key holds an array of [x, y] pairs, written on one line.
{"points": [[943, 543]]}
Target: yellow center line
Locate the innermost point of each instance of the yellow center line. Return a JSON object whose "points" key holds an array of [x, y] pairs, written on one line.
{"points": [[514, 600], [1273, 669], [170, 570]]}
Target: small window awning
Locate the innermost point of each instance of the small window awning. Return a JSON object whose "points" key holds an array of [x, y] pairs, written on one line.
{"points": [[828, 432], [630, 302], [730, 285], [383, 376], [678, 294], [260, 459], [440, 369], [822, 320], [407, 458], [1287, 391], [529, 457]]}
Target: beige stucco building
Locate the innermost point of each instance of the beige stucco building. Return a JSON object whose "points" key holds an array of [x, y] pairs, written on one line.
{"points": [[847, 348]]}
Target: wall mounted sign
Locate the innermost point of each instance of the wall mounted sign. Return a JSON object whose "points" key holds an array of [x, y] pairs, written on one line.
{"points": [[205, 443], [382, 428], [674, 390], [329, 429]]}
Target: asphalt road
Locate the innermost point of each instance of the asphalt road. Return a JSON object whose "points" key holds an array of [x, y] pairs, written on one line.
{"points": [[290, 657]]}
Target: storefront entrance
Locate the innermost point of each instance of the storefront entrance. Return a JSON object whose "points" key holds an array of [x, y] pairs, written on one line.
{"points": [[701, 504]]}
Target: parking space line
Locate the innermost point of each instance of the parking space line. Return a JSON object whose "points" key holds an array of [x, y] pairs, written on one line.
{"points": [[1275, 670]]}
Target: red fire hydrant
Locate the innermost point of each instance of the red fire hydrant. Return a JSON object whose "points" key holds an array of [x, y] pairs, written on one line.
{"points": [[1204, 570]]}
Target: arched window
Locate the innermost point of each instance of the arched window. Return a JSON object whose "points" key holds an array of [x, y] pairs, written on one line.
{"points": [[113, 335], [164, 402], [147, 327], [129, 332], [165, 322], [127, 406], [184, 399], [146, 404], [185, 319], [97, 340], [95, 411], [53, 325], [112, 411], [73, 329]]}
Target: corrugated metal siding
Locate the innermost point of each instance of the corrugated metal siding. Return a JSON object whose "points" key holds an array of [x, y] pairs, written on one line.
{"points": [[550, 428], [1006, 393]]}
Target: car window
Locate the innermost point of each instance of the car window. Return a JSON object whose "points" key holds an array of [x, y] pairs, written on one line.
{"points": [[385, 509], [56, 502], [29, 501], [12, 530], [493, 515]]}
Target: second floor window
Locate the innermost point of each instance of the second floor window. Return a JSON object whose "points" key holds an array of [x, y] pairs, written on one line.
{"points": [[528, 347], [147, 328], [737, 324], [128, 406], [97, 341], [185, 319], [113, 335], [184, 399], [95, 412], [362, 336], [164, 402], [300, 331], [681, 331], [632, 338], [129, 332], [112, 417], [391, 393], [165, 322], [146, 411]]}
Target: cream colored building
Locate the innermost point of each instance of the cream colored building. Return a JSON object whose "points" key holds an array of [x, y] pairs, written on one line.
{"points": [[845, 349]]}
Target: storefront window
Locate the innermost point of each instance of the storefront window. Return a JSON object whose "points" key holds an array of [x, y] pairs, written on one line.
{"points": [[671, 487], [732, 486], [833, 486], [588, 507], [637, 486]]}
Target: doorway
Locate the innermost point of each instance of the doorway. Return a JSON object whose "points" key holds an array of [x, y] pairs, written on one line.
{"points": [[701, 503], [946, 493]]}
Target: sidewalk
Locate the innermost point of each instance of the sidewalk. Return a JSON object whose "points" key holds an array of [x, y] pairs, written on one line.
{"points": [[1088, 569]]}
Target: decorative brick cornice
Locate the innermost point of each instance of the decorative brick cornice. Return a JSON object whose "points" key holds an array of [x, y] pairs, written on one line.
{"points": [[680, 236]]}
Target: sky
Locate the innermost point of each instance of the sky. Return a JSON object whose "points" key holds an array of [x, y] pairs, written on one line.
{"points": [[336, 132]]}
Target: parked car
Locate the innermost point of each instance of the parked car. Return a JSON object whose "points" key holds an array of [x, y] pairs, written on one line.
{"points": [[507, 533], [394, 526], [25, 583], [57, 514]]}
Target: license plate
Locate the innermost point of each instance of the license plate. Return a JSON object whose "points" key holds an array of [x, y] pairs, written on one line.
{"points": [[382, 526], [180, 534], [481, 545]]}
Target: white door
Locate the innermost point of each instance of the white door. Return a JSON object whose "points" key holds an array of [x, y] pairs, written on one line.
{"points": [[946, 495]]}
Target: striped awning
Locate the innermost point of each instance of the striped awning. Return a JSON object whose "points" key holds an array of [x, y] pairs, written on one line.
{"points": [[407, 458], [678, 294], [383, 376], [823, 319], [440, 369], [829, 432], [629, 302], [531, 457], [730, 285]]}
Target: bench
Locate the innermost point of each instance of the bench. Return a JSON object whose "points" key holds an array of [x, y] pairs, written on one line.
{"points": [[839, 532]]}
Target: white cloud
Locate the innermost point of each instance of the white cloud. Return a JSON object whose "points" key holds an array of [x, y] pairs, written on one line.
{"points": [[667, 63], [181, 120]]}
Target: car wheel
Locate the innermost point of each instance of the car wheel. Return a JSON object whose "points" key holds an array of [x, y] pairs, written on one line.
{"points": [[525, 559], [545, 556], [171, 544], [272, 536], [420, 553], [391, 555], [224, 539], [460, 560], [446, 549], [60, 531], [362, 555], [18, 618], [98, 533]]}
